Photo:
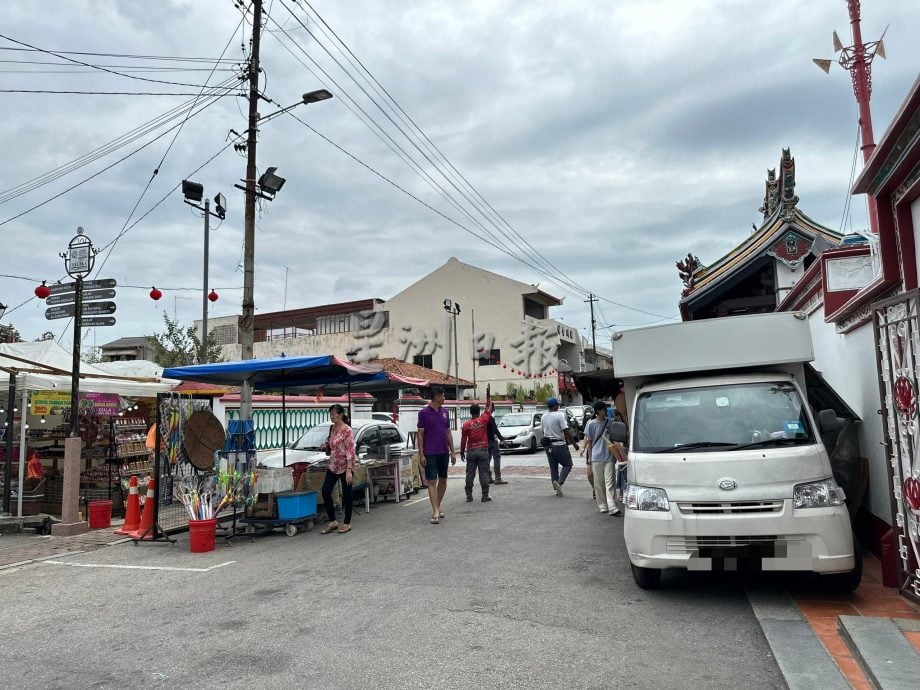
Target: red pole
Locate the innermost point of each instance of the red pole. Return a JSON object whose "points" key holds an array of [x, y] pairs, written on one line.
{"points": [[862, 89]]}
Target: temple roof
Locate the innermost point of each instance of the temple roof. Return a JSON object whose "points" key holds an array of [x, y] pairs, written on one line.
{"points": [[786, 234]]}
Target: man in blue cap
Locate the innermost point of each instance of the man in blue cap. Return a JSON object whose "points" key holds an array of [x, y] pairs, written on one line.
{"points": [[556, 441]]}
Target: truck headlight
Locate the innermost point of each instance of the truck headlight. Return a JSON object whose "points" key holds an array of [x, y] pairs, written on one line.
{"points": [[821, 494], [647, 498]]}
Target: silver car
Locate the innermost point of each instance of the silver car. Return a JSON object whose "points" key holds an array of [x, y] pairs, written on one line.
{"points": [[372, 437], [521, 430]]}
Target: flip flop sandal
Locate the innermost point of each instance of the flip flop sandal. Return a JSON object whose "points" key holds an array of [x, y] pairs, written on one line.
{"points": [[329, 529], [344, 528], [440, 515], [435, 521]]}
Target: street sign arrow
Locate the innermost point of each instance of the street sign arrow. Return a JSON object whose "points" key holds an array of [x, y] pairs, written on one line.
{"points": [[61, 288], [97, 308], [60, 312], [88, 296], [91, 309], [98, 321]]}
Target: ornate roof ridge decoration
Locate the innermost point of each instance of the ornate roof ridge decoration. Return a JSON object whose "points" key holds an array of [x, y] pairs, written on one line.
{"points": [[779, 193]]}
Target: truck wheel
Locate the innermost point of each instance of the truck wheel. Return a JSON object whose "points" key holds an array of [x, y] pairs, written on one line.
{"points": [[844, 583], [290, 529], [646, 578]]}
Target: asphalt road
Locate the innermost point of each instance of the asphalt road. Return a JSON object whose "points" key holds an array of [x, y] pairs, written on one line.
{"points": [[529, 590]]}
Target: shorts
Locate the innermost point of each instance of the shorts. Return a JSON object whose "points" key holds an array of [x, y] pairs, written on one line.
{"points": [[436, 466]]}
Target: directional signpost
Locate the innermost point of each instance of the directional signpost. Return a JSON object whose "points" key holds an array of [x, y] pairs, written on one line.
{"points": [[89, 309], [88, 296], [61, 288]]}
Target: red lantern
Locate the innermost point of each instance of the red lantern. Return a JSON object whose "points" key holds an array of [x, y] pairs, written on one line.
{"points": [[212, 296], [155, 294], [42, 291]]}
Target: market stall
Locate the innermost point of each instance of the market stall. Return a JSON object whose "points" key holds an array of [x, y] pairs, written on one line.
{"points": [[264, 374], [35, 390]]}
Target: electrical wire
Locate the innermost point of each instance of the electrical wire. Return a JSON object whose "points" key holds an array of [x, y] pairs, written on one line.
{"points": [[489, 240], [116, 55], [849, 195], [103, 93], [110, 147], [429, 144], [97, 67]]}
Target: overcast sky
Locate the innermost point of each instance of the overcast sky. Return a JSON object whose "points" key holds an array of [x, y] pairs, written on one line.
{"points": [[613, 137]]}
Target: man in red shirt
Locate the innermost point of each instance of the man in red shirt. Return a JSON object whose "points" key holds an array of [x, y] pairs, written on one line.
{"points": [[474, 449]]}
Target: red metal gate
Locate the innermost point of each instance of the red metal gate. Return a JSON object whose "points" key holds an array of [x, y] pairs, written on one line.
{"points": [[897, 336]]}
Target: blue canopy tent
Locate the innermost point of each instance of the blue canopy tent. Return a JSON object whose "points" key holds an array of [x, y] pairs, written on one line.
{"points": [[282, 373]]}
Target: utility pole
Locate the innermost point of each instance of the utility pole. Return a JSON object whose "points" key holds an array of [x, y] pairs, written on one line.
{"points": [[249, 219], [591, 300]]}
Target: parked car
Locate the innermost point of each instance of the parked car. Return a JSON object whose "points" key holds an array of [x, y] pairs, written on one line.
{"points": [[371, 437], [522, 431]]}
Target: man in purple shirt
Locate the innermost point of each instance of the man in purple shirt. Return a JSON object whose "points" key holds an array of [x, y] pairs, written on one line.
{"points": [[435, 448]]}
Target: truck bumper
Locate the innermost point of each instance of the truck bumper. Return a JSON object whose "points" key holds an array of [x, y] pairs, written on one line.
{"points": [[814, 539]]}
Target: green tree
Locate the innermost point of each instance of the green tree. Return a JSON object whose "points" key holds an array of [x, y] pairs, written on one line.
{"points": [[543, 392], [179, 347]]}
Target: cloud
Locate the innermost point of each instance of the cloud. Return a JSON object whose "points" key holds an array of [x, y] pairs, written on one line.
{"points": [[613, 138]]}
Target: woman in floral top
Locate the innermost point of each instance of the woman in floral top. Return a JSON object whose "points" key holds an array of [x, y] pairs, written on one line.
{"points": [[341, 466]]}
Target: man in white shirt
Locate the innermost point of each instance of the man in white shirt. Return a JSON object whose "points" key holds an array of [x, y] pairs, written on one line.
{"points": [[556, 440]]}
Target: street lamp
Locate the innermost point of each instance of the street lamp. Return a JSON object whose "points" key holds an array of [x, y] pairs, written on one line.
{"points": [[193, 192], [2, 310], [247, 320], [453, 308]]}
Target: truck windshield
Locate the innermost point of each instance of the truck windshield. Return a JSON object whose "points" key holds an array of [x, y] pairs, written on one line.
{"points": [[729, 417]]}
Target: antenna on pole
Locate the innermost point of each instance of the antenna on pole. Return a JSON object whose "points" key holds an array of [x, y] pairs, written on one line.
{"points": [[857, 60]]}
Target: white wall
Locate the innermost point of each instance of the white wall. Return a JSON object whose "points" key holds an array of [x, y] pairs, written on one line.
{"points": [[848, 364]]}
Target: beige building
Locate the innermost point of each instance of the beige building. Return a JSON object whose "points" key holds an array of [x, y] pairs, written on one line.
{"points": [[504, 331]]}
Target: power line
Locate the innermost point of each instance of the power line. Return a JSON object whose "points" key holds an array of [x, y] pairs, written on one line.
{"points": [[97, 67], [104, 93], [115, 55], [430, 145]]}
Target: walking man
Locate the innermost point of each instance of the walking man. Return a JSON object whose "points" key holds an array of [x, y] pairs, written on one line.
{"points": [[495, 452], [435, 449], [556, 440], [601, 460], [474, 449]]}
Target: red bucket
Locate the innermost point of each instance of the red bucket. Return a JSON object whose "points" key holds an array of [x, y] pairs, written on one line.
{"points": [[201, 535], [100, 514]]}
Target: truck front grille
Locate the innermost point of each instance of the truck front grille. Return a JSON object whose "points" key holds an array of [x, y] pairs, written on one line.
{"points": [[742, 507]]}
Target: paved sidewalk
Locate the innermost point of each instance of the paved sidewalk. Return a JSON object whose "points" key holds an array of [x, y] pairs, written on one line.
{"points": [[27, 550], [871, 598]]}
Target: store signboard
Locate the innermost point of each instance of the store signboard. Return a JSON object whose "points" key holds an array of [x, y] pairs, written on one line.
{"points": [[102, 404], [56, 402], [50, 402]]}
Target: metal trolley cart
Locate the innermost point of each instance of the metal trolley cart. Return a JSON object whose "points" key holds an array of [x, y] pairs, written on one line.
{"points": [[290, 510]]}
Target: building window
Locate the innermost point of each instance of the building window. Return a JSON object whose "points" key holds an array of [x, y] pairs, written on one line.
{"points": [[422, 361], [490, 357]]}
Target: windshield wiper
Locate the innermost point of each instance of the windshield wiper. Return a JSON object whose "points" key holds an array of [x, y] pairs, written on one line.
{"points": [[774, 442], [696, 444]]}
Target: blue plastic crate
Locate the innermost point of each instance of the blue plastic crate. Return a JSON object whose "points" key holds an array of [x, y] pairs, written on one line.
{"points": [[294, 506]]}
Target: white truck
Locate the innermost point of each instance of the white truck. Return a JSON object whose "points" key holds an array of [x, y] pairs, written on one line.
{"points": [[725, 462]]}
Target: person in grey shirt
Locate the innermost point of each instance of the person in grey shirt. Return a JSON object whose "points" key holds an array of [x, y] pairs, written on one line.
{"points": [[556, 441], [601, 460]]}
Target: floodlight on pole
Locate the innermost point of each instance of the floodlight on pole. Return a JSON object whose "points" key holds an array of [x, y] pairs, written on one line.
{"points": [[453, 308], [193, 193], [2, 310]]}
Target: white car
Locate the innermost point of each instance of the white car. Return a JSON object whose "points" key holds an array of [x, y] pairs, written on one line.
{"points": [[371, 436], [521, 431]]}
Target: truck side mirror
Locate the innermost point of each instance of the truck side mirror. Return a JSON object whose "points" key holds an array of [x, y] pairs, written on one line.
{"points": [[616, 431]]}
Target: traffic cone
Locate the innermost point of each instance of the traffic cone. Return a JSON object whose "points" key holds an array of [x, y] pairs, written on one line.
{"points": [[145, 529], [133, 511]]}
